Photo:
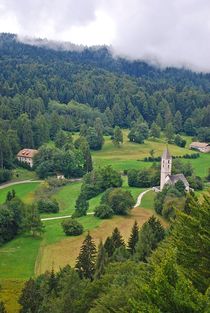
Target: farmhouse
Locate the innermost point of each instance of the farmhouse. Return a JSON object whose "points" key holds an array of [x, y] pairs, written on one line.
{"points": [[26, 156], [200, 146], [166, 177]]}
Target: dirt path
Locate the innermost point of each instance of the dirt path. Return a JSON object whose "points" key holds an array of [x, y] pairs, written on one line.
{"points": [[138, 202], [60, 217], [19, 182]]}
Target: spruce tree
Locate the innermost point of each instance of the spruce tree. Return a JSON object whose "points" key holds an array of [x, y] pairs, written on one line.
{"points": [[133, 238], [108, 246], [116, 241], [85, 264], [117, 238], [100, 261]]}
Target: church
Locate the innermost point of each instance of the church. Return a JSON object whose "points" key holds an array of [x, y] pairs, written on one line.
{"points": [[165, 176]]}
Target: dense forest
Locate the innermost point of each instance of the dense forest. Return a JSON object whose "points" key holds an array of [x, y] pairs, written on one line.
{"points": [[44, 91]]}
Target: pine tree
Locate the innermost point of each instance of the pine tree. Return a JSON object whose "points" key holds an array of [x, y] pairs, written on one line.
{"points": [[100, 261], [118, 136], [108, 246], [117, 238], [52, 282], [30, 298], [85, 264], [133, 238], [116, 241]]}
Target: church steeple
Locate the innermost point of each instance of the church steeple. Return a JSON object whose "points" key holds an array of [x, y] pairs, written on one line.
{"points": [[166, 165]]}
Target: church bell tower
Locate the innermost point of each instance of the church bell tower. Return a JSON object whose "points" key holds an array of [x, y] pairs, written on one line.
{"points": [[166, 165]]}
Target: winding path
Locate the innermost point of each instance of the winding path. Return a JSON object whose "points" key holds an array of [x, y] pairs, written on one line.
{"points": [[91, 213], [138, 202]]}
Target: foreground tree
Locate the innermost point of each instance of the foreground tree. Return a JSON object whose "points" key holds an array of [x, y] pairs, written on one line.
{"points": [[134, 237], [85, 264], [101, 261]]}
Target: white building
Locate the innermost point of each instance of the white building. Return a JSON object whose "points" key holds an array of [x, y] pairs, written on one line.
{"points": [[165, 176], [26, 156]]}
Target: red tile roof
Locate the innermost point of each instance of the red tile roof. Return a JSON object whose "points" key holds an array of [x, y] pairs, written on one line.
{"points": [[27, 153]]}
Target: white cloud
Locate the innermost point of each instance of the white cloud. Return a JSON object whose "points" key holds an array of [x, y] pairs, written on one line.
{"points": [[169, 32]]}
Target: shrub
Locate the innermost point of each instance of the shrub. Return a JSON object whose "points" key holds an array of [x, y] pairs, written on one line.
{"points": [[119, 200], [48, 206], [72, 227], [103, 211]]}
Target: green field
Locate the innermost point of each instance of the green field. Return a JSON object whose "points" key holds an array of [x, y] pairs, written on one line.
{"points": [[20, 173], [24, 191], [148, 200], [130, 155]]}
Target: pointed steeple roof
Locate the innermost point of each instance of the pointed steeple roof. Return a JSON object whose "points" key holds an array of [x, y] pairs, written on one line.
{"points": [[166, 154]]}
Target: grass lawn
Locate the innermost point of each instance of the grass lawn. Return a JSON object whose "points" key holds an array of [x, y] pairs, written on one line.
{"points": [[131, 155], [17, 257], [148, 200], [200, 165], [24, 191], [23, 174], [66, 197]]}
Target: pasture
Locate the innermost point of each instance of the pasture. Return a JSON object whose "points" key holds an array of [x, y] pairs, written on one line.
{"points": [[25, 191]]}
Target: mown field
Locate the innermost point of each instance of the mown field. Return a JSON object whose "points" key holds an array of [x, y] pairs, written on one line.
{"points": [[25, 192], [131, 155], [25, 256]]}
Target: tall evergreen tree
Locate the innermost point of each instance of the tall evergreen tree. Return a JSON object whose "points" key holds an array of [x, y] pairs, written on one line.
{"points": [[30, 298], [101, 261], [134, 237], [118, 136], [85, 264]]}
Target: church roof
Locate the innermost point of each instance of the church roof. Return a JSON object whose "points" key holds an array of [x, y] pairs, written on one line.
{"points": [[175, 178], [166, 154]]}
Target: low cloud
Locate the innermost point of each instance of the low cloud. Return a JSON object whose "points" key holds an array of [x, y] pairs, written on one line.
{"points": [[168, 33]]}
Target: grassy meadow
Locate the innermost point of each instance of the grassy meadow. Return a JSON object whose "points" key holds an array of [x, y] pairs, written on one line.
{"points": [[25, 191]]}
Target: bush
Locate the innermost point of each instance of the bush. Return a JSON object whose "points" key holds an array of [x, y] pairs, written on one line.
{"points": [[195, 182], [72, 227], [48, 206], [179, 141], [119, 200], [103, 211]]}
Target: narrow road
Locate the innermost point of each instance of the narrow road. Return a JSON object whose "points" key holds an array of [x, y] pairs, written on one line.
{"points": [[138, 202], [19, 182], [92, 213], [4, 185], [60, 217]]}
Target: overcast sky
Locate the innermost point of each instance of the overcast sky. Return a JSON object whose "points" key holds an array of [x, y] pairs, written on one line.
{"points": [[167, 32]]}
